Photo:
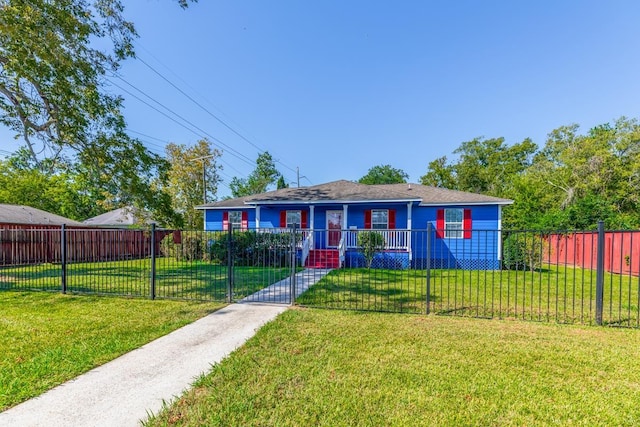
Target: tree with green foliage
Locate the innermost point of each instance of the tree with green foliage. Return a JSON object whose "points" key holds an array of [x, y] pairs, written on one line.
{"points": [[187, 184], [281, 183], [384, 174], [264, 175], [55, 56], [483, 166]]}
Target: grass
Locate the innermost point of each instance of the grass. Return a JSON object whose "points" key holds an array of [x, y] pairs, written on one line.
{"points": [[556, 293], [47, 339], [336, 368], [174, 279]]}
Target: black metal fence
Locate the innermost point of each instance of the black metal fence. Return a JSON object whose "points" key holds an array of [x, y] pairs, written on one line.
{"points": [[569, 277]]}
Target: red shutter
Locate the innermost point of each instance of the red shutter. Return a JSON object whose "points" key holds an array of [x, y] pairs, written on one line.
{"points": [[177, 237], [467, 223], [392, 219], [304, 219], [245, 220], [440, 223], [283, 219], [225, 220], [367, 219]]}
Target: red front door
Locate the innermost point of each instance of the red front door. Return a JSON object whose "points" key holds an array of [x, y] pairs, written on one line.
{"points": [[334, 228]]}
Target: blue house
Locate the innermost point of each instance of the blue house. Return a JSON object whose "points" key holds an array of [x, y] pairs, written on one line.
{"points": [[465, 226]]}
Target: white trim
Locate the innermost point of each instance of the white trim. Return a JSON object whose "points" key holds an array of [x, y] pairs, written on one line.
{"points": [[327, 202], [257, 217], [504, 203]]}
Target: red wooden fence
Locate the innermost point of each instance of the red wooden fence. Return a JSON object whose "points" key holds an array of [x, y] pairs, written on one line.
{"points": [[621, 250], [35, 244]]}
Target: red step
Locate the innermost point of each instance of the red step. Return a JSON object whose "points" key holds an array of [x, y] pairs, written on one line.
{"points": [[323, 258]]}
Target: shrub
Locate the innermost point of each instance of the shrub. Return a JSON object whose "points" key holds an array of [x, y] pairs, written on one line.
{"points": [[190, 248], [523, 251], [371, 242]]}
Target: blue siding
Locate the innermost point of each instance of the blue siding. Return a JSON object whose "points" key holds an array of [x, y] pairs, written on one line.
{"points": [[478, 252]]}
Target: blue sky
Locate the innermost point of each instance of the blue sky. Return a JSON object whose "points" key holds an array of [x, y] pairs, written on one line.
{"points": [[336, 87]]}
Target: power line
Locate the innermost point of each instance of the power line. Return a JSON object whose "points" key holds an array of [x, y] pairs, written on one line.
{"points": [[229, 149], [225, 124]]}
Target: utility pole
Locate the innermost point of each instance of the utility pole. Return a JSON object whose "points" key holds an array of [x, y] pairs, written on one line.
{"points": [[298, 175], [204, 174]]}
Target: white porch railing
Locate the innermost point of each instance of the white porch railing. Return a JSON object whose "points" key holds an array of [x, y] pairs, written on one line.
{"points": [[342, 249], [307, 244], [394, 239]]}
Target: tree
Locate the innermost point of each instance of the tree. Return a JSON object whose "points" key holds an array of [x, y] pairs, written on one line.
{"points": [[185, 182], [440, 174], [259, 179], [281, 183], [384, 174], [52, 77]]}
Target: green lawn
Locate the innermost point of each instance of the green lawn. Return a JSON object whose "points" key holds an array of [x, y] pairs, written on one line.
{"points": [[340, 368], [174, 279], [49, 338], [559, 294]]}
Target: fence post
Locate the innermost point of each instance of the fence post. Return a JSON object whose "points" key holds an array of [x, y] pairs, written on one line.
{"points": [[429, 232], [63, 258], [292, 251], [152, 287], [600, 274], [230, 262]]}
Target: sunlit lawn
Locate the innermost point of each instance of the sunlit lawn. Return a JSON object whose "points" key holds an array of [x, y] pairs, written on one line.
{"points": [[48, 338], [344, 368], [554, 293], [174, 279]]}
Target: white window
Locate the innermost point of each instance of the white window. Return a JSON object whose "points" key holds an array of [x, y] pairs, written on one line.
{"points": [[294, 219], [453, 223], [235, 220], [379, 219]]}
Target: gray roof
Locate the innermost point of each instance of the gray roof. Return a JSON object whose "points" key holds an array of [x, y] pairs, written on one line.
{"points": [[122, 217], [352, 192], [18, 214]]}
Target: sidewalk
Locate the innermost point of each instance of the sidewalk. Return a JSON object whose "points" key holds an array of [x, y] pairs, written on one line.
{"points": [[126, 390]]}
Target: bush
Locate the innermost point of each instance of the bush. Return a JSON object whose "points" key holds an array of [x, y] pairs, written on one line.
{"points": [[523, 251], [371, 242], [250, 248], [190, 248]]}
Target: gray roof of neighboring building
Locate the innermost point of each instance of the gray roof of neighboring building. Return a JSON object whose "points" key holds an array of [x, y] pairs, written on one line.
{"points": [[117, 218], [18, 214], [352, 192]]}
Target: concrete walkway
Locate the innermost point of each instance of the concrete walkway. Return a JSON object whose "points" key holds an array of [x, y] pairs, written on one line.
{"points": [[126, 390]]}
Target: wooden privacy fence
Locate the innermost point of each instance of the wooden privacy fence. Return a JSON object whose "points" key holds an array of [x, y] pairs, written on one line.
{"points": [[579, 249], [22, 245]]}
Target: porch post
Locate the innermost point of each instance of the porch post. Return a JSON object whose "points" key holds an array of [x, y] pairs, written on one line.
{"points": [[312, 226], [345, 208], [499, 233], [409, 228], [257, 217]]}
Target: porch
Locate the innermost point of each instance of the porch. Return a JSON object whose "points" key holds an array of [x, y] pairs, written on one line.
{"points": [[334, 248]]}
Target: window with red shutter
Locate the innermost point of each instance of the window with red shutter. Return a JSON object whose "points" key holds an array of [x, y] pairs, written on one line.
{"points": [[225, 220]]}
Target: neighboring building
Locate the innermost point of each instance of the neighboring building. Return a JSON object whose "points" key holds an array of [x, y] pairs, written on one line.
{"points": [[466, 225], [120, 218], [18, 216]]}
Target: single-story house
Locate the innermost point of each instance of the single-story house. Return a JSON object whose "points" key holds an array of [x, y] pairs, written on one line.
{"points": [[20, 216], [120, 218], [466, 226]]}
